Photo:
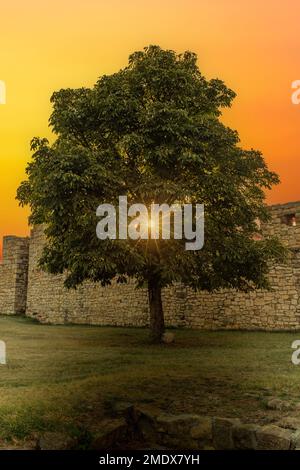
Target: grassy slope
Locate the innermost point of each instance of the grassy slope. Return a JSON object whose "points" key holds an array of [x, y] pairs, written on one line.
{"points": [[66, 377]]}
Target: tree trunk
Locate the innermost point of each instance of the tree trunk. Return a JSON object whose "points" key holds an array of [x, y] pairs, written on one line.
{"points": [[157, 323]]}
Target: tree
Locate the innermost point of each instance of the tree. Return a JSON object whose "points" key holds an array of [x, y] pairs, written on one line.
{"points": [[152, 132]]}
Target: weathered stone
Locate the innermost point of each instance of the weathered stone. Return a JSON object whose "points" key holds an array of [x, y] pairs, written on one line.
{"points": [[202, 430], [185, 430], [13, 275], [176, 424], [141, 421], [222, 432], [272, 437], [289, 422], [295, 439], [168, 337], [244, 436], [56, 441], [122, 408], [110, 433], [149, 412]]}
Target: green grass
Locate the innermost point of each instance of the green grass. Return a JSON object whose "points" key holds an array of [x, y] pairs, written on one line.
{"points": [[70, 377]]}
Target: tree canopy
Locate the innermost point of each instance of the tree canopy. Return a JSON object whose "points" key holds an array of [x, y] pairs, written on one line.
{"points": [[152, 132]]}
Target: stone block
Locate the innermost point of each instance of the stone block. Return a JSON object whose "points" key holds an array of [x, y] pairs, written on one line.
{"points": [[244, 436], [273, 437], [222, 432]]}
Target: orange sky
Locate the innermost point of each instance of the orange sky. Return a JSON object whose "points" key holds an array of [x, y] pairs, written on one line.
{"points": [[253, 45]]}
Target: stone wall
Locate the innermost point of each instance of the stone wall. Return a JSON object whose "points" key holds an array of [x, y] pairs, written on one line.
{"points": [[13, 275], [124, 305], [49, 301], [118, 304], [191, 431]]}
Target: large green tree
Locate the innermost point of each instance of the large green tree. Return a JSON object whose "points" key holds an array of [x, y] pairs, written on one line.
{"points": [[152, 132]]}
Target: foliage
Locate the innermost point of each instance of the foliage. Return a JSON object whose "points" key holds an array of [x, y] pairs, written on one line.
{"points": [[151, 131]]}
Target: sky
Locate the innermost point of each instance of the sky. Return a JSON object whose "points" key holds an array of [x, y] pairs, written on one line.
{"points": [[253, 45]]}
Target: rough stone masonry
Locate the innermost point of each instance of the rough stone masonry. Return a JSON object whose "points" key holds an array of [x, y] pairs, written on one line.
{"points": [[26, 290]]}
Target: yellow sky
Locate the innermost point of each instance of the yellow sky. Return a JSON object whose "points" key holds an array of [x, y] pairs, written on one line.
{"points": [[253, 46]]}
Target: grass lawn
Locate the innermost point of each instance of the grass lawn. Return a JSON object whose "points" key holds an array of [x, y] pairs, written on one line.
{"points": [[69, 377]]}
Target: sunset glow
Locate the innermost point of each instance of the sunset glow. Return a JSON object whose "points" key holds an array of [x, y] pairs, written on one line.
{"points": [[47, 45]]}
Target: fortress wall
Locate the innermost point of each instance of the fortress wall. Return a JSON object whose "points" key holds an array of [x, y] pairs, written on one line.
{"points": [[124, 305], [13, 275], [278, 309], [282, 226], [49, 302]]}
